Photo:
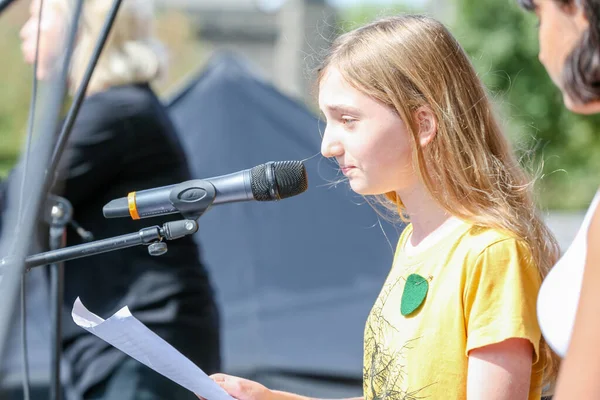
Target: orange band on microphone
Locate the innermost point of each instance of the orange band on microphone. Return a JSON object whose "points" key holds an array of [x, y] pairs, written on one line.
{"points": [[132, 206]]}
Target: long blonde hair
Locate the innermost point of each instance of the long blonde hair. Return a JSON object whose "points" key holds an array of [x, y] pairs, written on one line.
{"points": [[469, 168], [131, 53]]}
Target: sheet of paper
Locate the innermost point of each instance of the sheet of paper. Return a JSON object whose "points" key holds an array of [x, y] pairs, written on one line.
{"points": [[129, 335]]}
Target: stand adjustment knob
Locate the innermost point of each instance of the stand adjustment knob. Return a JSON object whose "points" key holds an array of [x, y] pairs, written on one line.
{"points": [[157, 249]]}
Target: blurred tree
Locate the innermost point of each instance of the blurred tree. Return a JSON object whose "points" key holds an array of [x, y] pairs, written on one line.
{"points": [[502, 41], [354, 16], [561, 148], [15, 81]]}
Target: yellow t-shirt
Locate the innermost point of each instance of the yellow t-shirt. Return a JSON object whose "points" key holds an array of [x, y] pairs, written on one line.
{"points": [[482, 290]]}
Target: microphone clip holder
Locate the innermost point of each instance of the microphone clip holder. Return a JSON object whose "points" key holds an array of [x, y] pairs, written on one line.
{"points": [[193, 198]]}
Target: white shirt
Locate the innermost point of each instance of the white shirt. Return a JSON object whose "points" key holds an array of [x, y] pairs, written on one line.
{"points": [[559, 294]]}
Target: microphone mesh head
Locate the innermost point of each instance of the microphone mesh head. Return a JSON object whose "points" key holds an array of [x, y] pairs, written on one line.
{"points": [[278, 180]]}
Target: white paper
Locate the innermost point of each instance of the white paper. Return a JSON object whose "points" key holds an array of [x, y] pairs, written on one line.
{"points": [[129, 335]]}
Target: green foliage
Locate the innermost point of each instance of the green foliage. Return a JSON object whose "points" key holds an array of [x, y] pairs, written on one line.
{"points": [[356, 16], [15, 84], [502, 41]]}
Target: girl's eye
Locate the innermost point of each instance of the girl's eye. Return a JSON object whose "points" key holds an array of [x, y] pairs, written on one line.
{"points": [[348, 120]]}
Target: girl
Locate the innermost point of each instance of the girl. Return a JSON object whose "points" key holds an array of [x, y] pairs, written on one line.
{"points": [[569, 36], [409, 121]]}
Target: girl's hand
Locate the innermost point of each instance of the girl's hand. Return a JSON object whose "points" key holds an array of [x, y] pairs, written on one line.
{"points": [[242, 389]]}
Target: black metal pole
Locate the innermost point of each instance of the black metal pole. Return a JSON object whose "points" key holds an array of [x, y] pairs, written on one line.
{"points": [[41, 184], [148, 236], [80, 94], [56, 301], [17, 242], [61, 212]]}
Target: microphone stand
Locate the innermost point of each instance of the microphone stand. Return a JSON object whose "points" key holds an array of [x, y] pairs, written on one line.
{"points": [[61, 213], [58, 214], [43, 175], [153, 237]]}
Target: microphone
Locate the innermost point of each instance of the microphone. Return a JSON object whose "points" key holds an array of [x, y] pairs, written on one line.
{"points": [[266, 182]]}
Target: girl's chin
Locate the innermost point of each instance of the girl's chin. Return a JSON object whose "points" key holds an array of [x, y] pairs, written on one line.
{"points": [[363, 189]]}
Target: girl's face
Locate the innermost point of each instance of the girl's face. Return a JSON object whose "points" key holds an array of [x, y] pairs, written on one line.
{"points": [[367, 138], [560, 30], [51, 36]]}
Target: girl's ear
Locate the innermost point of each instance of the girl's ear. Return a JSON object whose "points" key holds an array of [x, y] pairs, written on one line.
{"points": [[427, 125]]}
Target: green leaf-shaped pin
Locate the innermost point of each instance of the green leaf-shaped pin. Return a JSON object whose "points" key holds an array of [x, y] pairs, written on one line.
{"points": [[415, 291]]}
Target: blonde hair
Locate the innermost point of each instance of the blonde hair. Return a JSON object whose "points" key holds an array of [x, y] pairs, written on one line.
{"points": [[469, 167], [130, 55]]}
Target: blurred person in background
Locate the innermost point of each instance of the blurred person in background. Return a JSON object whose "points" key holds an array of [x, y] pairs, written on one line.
{"points": [[123, 141], [569, 300]]}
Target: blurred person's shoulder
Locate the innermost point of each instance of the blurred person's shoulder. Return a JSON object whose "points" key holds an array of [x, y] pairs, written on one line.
{"points": [[120, 102]]}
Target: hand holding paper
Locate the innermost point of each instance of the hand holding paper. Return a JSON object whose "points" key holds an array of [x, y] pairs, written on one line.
{"points": [[129, 335]]}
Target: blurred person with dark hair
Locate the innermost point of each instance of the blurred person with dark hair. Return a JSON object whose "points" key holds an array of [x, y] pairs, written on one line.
{"points": [[123, 140], [569, 299]]}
